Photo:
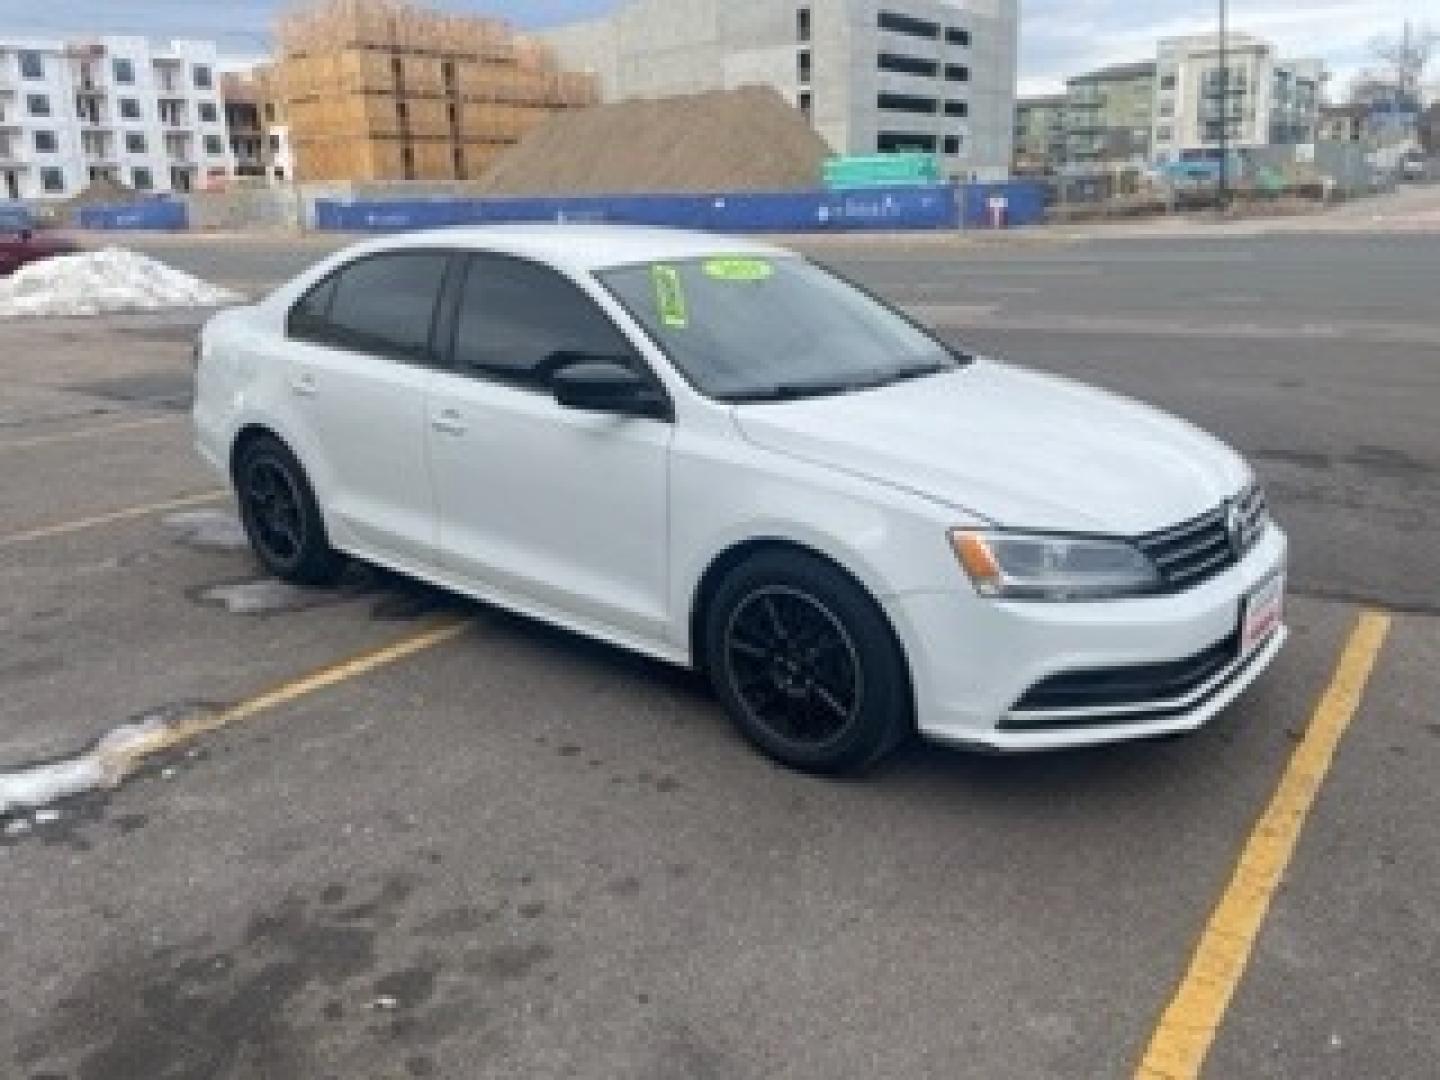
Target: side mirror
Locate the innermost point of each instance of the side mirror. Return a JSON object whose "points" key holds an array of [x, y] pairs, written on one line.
{"points": [[598, 384]]}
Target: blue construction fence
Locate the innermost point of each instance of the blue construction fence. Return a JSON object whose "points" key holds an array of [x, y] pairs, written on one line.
{"points": [[891, 208], [154, 215], [15, 217]]}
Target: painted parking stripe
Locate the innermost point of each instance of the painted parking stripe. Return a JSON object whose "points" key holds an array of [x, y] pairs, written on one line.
{"points": [[90, 433], [129, 513], [1186, 1030]]}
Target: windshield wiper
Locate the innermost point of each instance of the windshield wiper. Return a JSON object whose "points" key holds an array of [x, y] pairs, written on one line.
{"points": [[795, 391]]}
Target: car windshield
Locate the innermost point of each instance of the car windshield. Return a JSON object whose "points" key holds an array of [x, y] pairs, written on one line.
{"points": [[746, 328]]}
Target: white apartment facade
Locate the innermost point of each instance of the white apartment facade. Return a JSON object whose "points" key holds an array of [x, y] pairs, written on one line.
{"points": [[873, 76], [1270, 101], [144, 115]]}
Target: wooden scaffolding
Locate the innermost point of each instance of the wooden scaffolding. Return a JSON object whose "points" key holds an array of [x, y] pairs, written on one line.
{"points": [[380, 90]]}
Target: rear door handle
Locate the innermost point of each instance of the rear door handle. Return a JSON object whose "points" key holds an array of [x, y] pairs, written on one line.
{"points": [[304, 384], [449, 422]]}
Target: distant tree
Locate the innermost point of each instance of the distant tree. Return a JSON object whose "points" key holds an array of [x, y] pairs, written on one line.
{"points": [[1406, 56]]}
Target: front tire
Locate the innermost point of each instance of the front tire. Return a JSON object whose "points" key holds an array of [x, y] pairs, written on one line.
{"points": [[281, 516], [807, 665]]}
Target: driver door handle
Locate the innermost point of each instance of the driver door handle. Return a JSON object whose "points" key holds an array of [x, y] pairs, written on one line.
{"points": [[449, 422]]}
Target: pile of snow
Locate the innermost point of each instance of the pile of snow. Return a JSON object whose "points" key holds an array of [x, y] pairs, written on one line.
{"points": [[96, 282]]}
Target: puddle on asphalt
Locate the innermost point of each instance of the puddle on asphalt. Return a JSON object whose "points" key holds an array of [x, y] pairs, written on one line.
{"points": [[218, 530]]}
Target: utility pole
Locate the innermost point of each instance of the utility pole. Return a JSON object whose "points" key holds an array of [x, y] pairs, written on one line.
{"points": [[1224, 106]]}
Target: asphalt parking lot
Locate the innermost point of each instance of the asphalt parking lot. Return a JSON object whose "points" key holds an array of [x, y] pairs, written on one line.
{"points": [[430, 839]]}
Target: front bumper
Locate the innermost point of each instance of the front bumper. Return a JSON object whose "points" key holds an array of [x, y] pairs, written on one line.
{"points": [[973, 660]]}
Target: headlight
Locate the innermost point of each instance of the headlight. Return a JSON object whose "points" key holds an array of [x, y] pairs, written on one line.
{"points": [[1034, 566]]}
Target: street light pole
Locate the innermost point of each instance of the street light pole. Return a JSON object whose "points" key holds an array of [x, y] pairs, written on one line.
{"points": [[1224, 107]]}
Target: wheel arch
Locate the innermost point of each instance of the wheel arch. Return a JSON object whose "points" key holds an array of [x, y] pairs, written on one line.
{"points": [[742, 551]]}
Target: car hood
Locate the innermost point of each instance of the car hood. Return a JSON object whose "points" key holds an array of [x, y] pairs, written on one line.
{"points": [[1017, 448]]}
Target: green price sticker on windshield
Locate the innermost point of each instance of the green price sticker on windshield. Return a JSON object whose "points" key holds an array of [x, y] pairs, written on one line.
{"points": [[670, 297], [739, 269]]}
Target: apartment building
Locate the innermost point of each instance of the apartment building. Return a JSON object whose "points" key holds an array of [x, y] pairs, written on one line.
{"points": [[873, 76], [122, 110], [1264, 101], [1040, 134], [1109, 114], [245, 123]]}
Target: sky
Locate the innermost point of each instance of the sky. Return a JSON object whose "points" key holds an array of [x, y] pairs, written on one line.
{"points": [[1058, 37]]}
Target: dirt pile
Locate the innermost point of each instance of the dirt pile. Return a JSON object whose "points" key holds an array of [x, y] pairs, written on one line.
{"points": [[748, 139]]}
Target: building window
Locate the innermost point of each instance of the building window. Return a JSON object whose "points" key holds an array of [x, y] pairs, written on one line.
{"points": [[275, 144], [907, 65], [52, 180], [141, 180], [32, 65], [208, 113], [214, 145], [897, 142], [957, 73], [806, 103], [269, 111], [802, 24], [957, 108], [135, 142], [952, 145], [956, 36], [907, 103], [202, 78], [129, 108], [38, 104], [1164, 133], [1167, 82], [279, 173], [905, 24], [46, 142], [124, 71], [1167, 108], [803, 65]]}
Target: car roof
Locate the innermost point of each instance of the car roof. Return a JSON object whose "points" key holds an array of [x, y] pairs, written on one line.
{"points": [[584, 246]]}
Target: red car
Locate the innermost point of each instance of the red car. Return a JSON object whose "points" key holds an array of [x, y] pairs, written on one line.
{"points": [[17, 249]]}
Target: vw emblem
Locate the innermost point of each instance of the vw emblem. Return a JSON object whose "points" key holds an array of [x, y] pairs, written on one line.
{"points": [[1235, 527]]}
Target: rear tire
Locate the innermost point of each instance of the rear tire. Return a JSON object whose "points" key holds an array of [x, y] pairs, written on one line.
{"points": [[807, 665], [281, 516]]}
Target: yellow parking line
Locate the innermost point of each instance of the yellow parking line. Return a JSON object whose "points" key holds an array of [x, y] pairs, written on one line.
{"points": [[1188, 1026], [437, 631], [127, 514], [89, 433]]}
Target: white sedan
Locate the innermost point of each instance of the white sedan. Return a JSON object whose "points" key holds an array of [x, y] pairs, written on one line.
{"points": [[716, 453]]}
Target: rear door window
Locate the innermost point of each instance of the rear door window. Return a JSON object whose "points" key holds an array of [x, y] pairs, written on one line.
{"points": [[380, 304]]}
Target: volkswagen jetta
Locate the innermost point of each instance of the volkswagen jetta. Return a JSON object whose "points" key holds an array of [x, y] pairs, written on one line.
{"points": [[717, 453]]}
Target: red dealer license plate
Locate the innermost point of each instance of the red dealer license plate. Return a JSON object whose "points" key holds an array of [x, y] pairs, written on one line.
{"points": [[1263, 611]]}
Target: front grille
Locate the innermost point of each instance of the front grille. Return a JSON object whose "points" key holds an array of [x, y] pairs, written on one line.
{"points": [[1109, 688], [1197, 550]]}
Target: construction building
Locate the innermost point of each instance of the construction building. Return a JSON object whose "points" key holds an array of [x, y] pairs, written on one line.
{"points": [[871, 76], [380, 91]]}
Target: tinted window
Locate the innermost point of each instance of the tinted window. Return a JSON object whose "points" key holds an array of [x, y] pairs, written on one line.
{"points": [[385, 304], [515, 316], [307, 318]]}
